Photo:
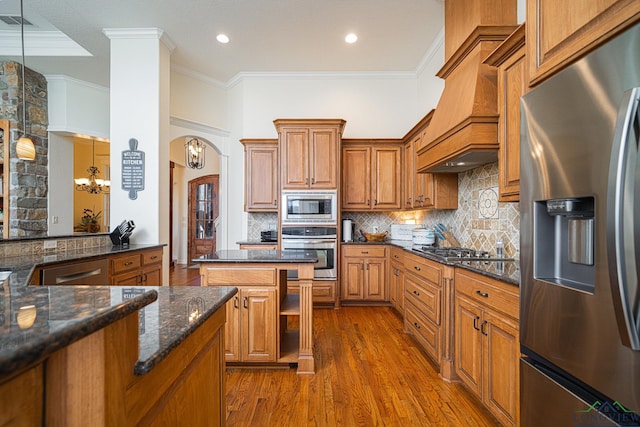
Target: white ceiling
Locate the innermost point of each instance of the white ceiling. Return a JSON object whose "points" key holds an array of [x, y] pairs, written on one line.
{"points": [[266, 35]]}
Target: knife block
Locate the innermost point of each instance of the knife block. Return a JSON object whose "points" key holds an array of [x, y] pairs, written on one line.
{"points": [[118, 238]]}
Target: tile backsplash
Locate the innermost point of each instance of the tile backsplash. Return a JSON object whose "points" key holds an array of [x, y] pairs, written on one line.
{"points": [[26, 247], [477, 223]]}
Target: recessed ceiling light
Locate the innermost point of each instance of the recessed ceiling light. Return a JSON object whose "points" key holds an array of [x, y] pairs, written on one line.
{"points": [[351, 38], [222, 38]]}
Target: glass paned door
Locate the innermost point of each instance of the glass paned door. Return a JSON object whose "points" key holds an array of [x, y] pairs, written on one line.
{"points": [[203, 213]]}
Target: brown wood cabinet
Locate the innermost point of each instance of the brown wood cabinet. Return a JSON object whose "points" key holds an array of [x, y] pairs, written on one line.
{"points": [[139, 268], [425, 190], [363, 273], [511, 62], [487, 348], [261, 170], [396, 279], [250, 329], [309, 153], [371, 177], [559, 33]]}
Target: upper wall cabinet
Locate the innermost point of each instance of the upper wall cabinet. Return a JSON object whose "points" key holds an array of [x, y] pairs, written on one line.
{"points": [[261, 175], [511, 62], [371, 176], [310, 153], [558, 33]]}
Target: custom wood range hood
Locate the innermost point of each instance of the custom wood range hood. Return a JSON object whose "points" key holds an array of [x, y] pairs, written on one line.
{"points": [[463, 133]]}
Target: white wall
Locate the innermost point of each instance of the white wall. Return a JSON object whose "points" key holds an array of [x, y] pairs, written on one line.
{"points": [[374, 105], [60, 196], [198, 99], [77, 107]]}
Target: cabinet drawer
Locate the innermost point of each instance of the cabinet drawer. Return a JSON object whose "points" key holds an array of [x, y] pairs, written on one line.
{"points": [[424, 297], [427, 334], [152, 257], [125, 263], [240, 276], [492, 293], [368, 251], [397, 255], [424, 268]]}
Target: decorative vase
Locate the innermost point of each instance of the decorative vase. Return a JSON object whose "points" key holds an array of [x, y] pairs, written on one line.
{"points": [[93, 227]]}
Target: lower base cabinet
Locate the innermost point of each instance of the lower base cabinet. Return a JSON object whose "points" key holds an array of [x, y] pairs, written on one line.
{"points": [[396, 279], [364, 273], [250, 330], [487, 349], [139, 268]]}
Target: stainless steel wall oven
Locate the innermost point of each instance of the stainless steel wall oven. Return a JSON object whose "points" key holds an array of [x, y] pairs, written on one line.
{"points": [[321, 242]]}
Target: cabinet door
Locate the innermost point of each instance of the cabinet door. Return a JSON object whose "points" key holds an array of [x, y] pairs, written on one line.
{"points": [[323, 158], [232, 330], [352, 279], [468, 344], [152, 275], [294, 158], [258, 325], [261, 192], [512, 84], [500, 358], [559, 32], [386, 178], [409, 172], [356, 178], [375, 281], [131, 278], [423, 193]]}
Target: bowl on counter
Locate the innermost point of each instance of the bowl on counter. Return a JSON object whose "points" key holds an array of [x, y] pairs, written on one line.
{"points": [[374, 237]]}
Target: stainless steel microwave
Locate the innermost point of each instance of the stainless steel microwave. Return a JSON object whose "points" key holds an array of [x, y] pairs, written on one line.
{"points": [[309, 207]]}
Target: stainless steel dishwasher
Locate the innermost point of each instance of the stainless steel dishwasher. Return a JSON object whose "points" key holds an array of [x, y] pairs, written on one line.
{"points": [[94, 272]]}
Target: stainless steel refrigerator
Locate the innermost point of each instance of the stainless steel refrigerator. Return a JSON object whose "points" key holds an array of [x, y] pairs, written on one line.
{"points": [[580, 242]]}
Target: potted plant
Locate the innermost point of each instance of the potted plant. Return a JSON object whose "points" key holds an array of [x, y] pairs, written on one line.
{"points": [[89, 221]]}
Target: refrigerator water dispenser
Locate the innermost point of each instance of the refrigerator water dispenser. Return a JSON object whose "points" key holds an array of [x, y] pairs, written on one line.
{"points": [[564, 235]]}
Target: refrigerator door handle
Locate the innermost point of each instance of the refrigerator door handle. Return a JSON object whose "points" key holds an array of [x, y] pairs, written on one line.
{"points": [[622, 203]]}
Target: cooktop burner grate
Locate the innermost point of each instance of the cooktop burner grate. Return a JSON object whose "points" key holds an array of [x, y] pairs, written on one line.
{"points": [[458, 254]]}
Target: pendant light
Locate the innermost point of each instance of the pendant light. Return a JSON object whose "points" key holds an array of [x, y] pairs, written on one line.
{"points": [[93, 184], [24, 148], [194, 153]]}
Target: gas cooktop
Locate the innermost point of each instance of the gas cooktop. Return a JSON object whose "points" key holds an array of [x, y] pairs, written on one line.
{"points": [[458, 254]]}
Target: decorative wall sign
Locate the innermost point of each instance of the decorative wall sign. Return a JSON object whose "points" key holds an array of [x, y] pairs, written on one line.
{"points": [[133, 169]]}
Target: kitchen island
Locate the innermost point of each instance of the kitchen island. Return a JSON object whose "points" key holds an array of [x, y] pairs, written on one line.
{"points": [[107, 355], [260, 317]]}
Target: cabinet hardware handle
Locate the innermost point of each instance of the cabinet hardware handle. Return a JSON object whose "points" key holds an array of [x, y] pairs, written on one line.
{"points": [[368, 202], [313, 180], [275, 201], [395, 256], [416, 293], [475, 323], [366, 266], [306, 181], [245, 302], [235, 302], [417, 268], [154, 257], [364, 252], [416, 325], [128, 263], [482, 294], [375, 202], [484, 322], [409, 201]]}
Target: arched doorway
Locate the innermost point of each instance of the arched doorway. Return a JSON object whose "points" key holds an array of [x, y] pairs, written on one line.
{"points": [[203, 215]]}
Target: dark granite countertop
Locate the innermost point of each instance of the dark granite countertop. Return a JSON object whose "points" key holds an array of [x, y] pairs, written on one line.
{"points": [[255, 242], [259, 256], [36, 321], [22, 266], [505, 271]]}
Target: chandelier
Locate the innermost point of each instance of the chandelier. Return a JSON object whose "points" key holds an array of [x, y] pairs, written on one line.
{"points": [[93, 184], [194, 153]]}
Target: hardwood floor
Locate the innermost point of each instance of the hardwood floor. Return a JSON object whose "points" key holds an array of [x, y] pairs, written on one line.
{"points": [[369, 372]]}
